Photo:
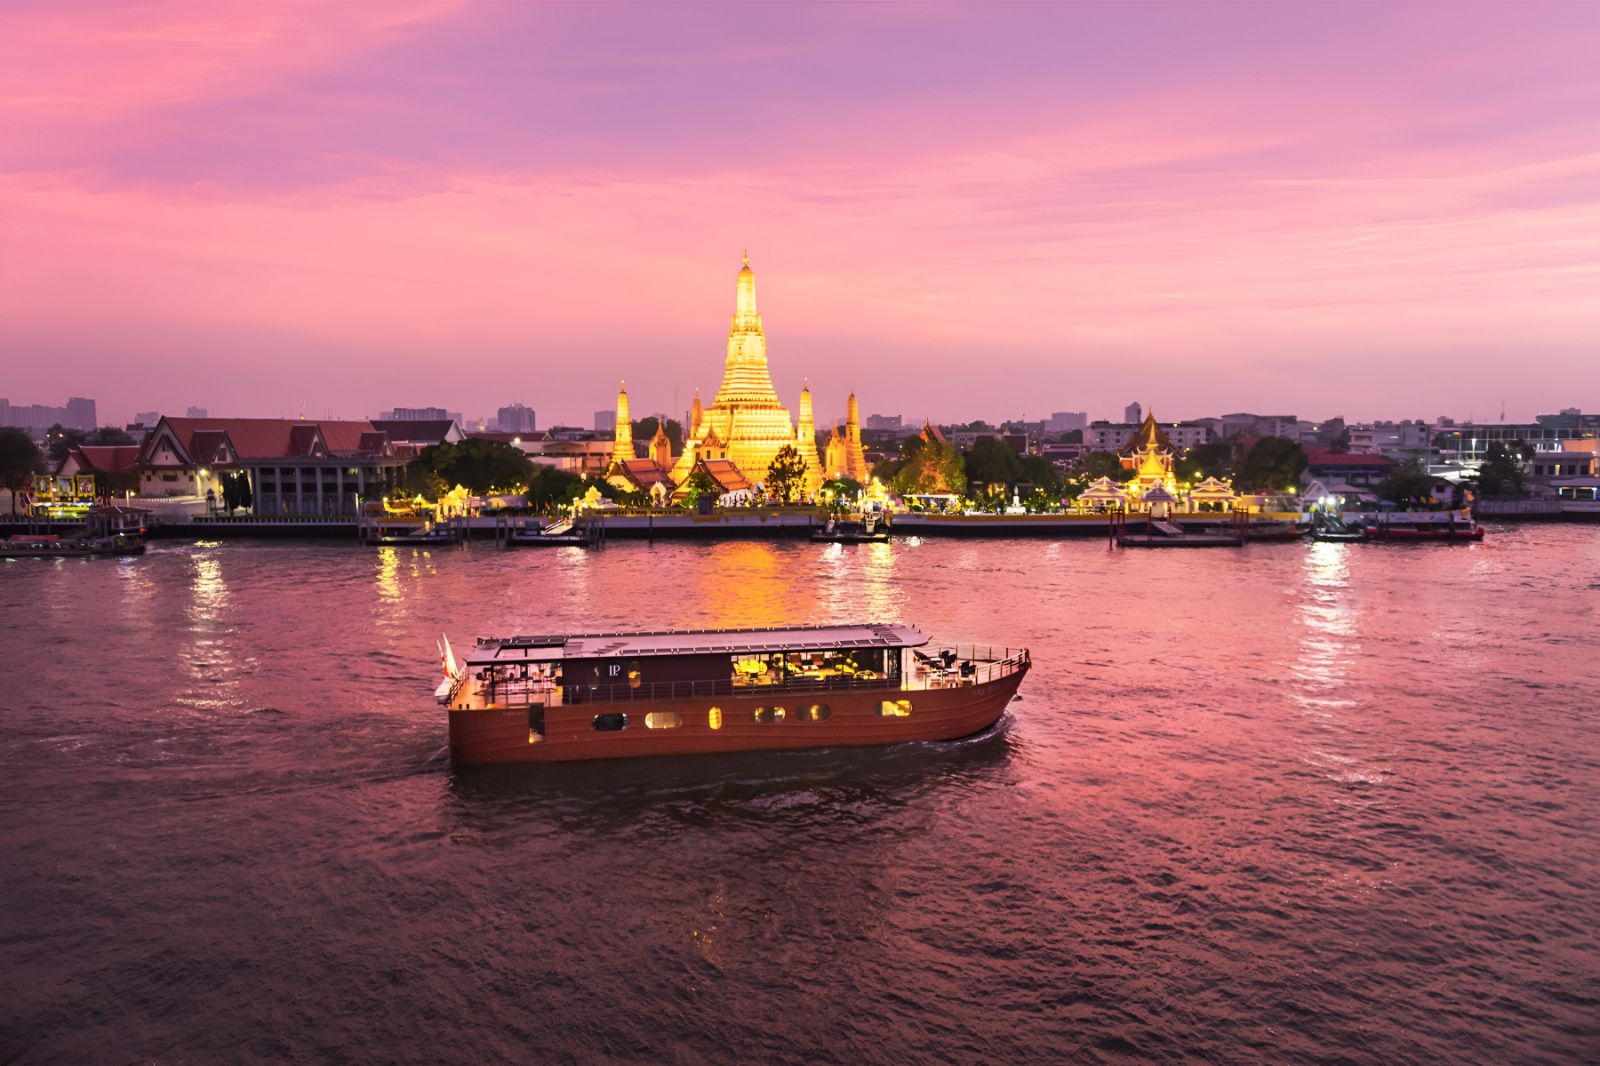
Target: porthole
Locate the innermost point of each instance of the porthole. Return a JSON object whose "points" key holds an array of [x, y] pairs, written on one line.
{"points": [[895, 709], [663, 720], [769, 715], [714, 718], [816, 712], [610, 723]]}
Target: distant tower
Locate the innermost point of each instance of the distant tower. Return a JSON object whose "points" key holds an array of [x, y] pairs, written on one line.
{"points": [[1133, 414], [694, 415], [623, 447], [855, 458], [805, 440]]}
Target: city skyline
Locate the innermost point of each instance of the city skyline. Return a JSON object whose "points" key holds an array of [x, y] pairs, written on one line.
{"points": [[1202, 209]]}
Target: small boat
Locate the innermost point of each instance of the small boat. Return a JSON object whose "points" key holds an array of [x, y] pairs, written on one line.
{"points": [[108, 530], [865, 529], [1330, 527], [565, 532], [685, 692], [1439, 527], [32, 546], [390, 533]]}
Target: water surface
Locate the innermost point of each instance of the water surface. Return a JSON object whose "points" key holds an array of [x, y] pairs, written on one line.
{"points": [[1322, 803]]}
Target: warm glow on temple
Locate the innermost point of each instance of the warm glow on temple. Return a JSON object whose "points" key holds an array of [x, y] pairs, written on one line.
{"points": [[1149, 455], [735, 439]]}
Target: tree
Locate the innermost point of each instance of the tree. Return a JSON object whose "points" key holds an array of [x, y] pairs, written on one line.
{"points": [[645, 428], [993, 462], [236, 494], [699, 485], [20, 459], [60, 440], [1501, 473], [1408, 483], [1273, 464], [931, 467], [1095, 465], [480, 465], [786, 477], [1215, 458], [1041, 472], [549, 487], [108, 435]]}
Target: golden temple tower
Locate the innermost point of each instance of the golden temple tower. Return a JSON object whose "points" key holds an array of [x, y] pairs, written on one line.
{"points": [[746, 418], [1149, 455], [805, 440], [622, 447]]}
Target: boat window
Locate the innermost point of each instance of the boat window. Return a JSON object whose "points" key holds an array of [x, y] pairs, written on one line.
{"points": [[769, 715], [851, 664], [634, 679], [816, 712], [757, 669], [663, 720], [895, 709], [610, 723], [714, 718]]}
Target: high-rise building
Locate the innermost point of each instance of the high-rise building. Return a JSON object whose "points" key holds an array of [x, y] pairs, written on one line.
{"points": [[80, 414], [605, 421], [417, 414], [884, 422], [1133, 414], [1065, 421], [197, 412], [516, 418]]}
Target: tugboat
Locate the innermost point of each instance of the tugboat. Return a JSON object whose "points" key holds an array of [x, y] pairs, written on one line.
{"points": [[684, 692]]}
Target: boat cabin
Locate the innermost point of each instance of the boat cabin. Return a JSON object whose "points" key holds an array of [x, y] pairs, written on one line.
{"points": [[682, 664]]}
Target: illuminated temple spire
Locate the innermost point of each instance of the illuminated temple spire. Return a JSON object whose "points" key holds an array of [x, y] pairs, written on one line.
{"points": [[622, 447], [746, 416]]}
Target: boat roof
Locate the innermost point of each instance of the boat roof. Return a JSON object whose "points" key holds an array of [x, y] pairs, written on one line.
{"points": [[694, 642]]}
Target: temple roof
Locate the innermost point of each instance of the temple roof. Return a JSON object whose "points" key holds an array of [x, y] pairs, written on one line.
{"points": [[1148, 434]]}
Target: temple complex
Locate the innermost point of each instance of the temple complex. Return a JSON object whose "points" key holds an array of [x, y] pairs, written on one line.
{"points": [[1149, 455], [746, 423]]}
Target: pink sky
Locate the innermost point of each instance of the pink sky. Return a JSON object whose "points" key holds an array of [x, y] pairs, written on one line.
{"points": [[957, 211]]}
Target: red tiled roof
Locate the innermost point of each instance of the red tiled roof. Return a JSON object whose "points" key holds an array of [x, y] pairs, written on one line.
{"points": [[728, 477], [268, 438], [107, 458], [645, 472]]}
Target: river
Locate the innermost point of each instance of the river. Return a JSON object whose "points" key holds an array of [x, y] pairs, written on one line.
{"points": [[1315, 803]]}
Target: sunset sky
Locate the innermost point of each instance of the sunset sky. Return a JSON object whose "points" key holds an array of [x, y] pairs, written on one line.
{"points": [[958, 211]]}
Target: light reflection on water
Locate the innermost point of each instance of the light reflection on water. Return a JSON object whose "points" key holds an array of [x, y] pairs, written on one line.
{"points": [[1356, 775]]}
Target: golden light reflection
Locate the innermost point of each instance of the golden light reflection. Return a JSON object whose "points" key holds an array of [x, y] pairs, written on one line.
{"points": [[753, 583], [389, 575], [1328, 633]]}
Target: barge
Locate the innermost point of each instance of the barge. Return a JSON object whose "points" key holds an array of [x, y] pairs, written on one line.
{"points": [[535, 699]]}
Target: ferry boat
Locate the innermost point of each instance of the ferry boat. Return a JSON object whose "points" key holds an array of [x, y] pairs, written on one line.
{"points": [[1425, 526], [107, 530], [683, 692]]}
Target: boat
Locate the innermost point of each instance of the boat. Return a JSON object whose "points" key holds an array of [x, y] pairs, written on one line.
{"points": [[1331, 527], [535, 699], [864, 529], [108, 530], [565, 532], [389, 532], [1447, 527], [37, 546]]}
